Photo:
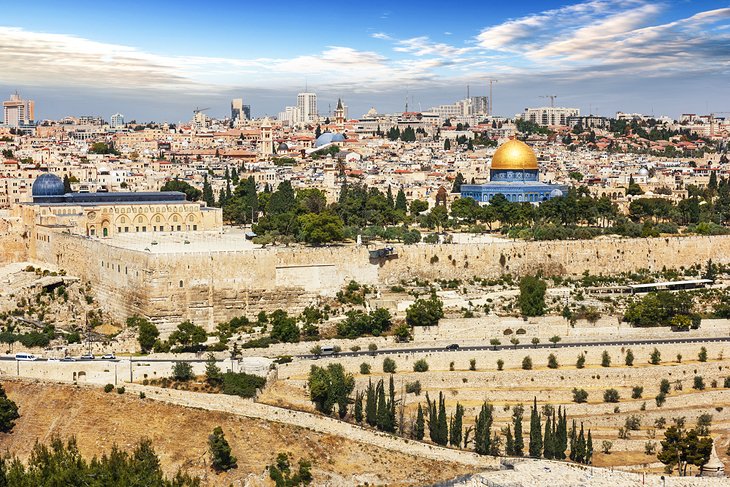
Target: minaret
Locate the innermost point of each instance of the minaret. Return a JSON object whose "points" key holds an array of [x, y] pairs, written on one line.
{"points": [[266, 147], [340, 113]]}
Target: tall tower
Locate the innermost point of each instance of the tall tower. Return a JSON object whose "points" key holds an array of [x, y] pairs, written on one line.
{"points": [[340, 113], [266, 147], [237, 109], [307, 106]]}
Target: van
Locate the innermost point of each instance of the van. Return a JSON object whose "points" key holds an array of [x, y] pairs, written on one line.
{"points": [[25, 357], [328, 350]]}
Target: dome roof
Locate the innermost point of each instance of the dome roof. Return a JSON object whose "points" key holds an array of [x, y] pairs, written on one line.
{"points": [[643, 171], [48, 185], [515, 155], [328, 138], [282, 147]]}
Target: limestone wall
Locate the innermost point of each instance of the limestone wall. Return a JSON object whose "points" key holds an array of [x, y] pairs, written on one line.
{"points": [[13, 245], [210, 287]]}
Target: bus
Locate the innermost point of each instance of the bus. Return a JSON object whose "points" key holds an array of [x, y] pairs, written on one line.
{"points": [[26, 357]]}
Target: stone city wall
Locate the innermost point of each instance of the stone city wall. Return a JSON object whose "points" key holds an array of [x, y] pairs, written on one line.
{"points": [[210, 287]]}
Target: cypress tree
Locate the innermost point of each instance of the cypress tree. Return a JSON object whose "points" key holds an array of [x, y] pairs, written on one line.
{"points": [[432, 419], [358, 407], [456, 426], [547, 443], [562, 435], [517, 421], [370, 405], [208, 192], [443, 427], [573, 439], [383, 411], [400, 201], [589, 449], [494, 449], [535, 432], [580, 446], [419, 423], [389, 197], [509, 443], [482, 433]]}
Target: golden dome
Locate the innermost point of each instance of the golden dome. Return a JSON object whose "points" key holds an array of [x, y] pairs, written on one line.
{"points": [[514, 155]]}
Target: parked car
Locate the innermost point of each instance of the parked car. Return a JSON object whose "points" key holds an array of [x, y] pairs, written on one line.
{"points": [[88, 356], [108, 356], [453, 346], [68, 359]]}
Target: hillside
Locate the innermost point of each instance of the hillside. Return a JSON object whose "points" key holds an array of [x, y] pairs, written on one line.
{"points": [[180, 437]]}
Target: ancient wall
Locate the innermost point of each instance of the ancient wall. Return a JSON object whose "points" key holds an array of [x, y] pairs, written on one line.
{"points": [[13, 244], [210, 287]]}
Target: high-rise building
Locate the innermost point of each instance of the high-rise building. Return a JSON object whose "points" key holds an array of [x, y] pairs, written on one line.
{"points": [[546, 116], [307, 107], [17, 112], [247, 112], [237, 109], [117, 121], [289, 116]]}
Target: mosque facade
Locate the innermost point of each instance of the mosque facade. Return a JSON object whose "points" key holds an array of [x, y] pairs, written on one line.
{"points": [[105, 215], [514, 173]]}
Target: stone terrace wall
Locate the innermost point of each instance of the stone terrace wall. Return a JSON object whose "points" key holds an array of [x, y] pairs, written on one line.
{"points": [[600, 256], [13, 245]]}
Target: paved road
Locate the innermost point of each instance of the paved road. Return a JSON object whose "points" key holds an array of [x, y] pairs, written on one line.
{"points": [[395, 351], [529, 346]]}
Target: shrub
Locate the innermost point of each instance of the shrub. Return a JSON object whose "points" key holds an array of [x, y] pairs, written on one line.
{"points": [[606, 446], [414, 387], [364, 368], [473, 364], [605, 359], [581, 361], [636, 392], [726, 383], [580, 395], [241, 384], [527, 363], [655, 358], [660, 399], [142, 395], [389, 366], [500, 366], [372, 347], [611, 395], [650, 448], [702, 356], [182, 371], [699, 383], [629, 360], [552, 361], [108, 388], [633, 423], [120, 390], [664, 386], [355, 348], [420, 366]]}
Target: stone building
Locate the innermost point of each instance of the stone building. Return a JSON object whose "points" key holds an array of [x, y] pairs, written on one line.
{"points": [[108, 214]]}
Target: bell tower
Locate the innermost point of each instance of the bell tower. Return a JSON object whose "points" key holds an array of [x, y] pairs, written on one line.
{"points": [[266, 147]]}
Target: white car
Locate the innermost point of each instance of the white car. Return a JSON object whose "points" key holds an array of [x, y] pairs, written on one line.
{"points": [[108, 356]]}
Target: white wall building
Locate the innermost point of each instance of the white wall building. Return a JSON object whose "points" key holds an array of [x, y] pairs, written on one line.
{"points": [[117, 121], [307, 107], [546, 116], [17, 112]]}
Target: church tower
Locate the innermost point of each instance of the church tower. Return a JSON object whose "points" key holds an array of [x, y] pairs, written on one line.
{"points": [[340, 113], [266, 147]]}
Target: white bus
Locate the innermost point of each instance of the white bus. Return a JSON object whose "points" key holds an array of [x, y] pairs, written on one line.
{"points": [[25, 357]]}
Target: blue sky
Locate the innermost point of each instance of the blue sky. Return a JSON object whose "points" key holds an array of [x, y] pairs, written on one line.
{"points": [[157, 60]]}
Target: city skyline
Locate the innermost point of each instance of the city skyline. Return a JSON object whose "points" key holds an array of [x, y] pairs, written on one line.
{"points": [[599, 56]]}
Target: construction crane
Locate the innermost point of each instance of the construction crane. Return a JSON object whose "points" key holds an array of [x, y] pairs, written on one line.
{"points": [[198, 110], [490, 95], [552, 99]]}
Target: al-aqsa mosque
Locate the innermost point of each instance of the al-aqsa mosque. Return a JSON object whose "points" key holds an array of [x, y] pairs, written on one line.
{"points": [[514, 173]]}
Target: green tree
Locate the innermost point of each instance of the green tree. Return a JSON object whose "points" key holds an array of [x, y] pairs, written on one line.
{"points": [[425, 312], [605, 359], [213, 373], [629, 358], [220, 451], [318, 229], [330, 386], [371, 407], [517, 412], [532, 296], [400, 201], [682, 448], [147, 333], [191, 193], [188, 334], [358, 407], [284, 327], [420, 424], [182, 371], [456, 426], [535, 447], [8, 412], [458, 181]]}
